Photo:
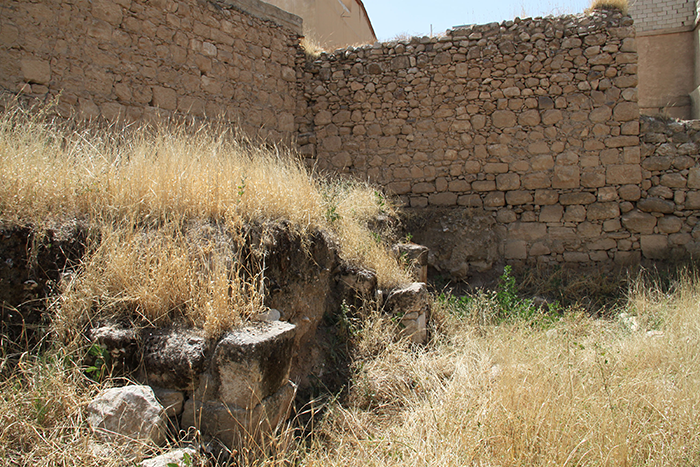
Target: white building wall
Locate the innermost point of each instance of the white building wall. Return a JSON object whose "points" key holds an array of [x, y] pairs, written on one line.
{"points": [[655, 15]]}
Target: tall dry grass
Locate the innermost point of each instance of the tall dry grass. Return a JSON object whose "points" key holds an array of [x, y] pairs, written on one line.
{"points": [[166, 205], [582, 392]]}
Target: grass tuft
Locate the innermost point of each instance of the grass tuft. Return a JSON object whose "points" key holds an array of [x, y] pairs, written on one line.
{"points": [[619, 5]]}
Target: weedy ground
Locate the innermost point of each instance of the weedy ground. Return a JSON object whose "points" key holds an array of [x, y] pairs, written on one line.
{"points": [[503, 382]]}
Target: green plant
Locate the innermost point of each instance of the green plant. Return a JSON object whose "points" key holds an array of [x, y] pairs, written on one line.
{"points": [[101, 356], [186, 460]]}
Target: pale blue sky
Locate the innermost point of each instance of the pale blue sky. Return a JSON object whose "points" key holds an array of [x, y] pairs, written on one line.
{"points": [[392, 17]]}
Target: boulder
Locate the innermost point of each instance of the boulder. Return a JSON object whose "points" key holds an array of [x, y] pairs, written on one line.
{"points": [[129, 413]]}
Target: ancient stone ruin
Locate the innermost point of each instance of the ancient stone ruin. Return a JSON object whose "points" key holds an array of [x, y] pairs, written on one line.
{"points": [[517, 142]]}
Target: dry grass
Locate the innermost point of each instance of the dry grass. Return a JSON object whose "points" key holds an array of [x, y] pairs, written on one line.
{"points": [[166, 206], [41, 416], [582, 392], [620, 5], [312, 49]]}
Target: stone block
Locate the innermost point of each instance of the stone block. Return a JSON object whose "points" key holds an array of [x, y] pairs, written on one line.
{"points": [[354, 283], [503, 119], [399, 188], [600, 114], [626, 111], [539, 249], [529, 118], [622, 141], [694, 178], [607, 193], [546, 197], [484, 185], [494, 199], [506, 216], [566, 177], [515, 249], [588, 230], [472, 167], [654, 246], [536, 181], [692, 200], [602, 244], [552, 117], [442, 199], [411, 305], [551, 213], [35, 70], [599, 255], [459, 186], [539, 147], [108, 11], [673, 180], [518, 197], [495, 168], [171, 400], [656, 205], [680, 239], [508, 181], [626, 258], [542, 162], [601, 211], [472, 201], [593, 177], [630, 192], [576, 198], [670, 224], [623, 174], [639, 222], [423, 187], [527, 231], [164, 98], [235, 426], [250, 364], [172, 358], [576, 257], [656, 163]]}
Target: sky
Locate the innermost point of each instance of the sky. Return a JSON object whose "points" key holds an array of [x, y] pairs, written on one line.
{"points": [[391, 18]]}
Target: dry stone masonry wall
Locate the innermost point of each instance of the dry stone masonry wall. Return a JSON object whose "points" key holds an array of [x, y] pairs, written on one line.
{"points": [[533, 121], [138, 59], [663, 220]]}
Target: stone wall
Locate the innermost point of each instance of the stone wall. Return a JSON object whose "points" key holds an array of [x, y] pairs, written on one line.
{"points": [[663, 221], [535, 122], [138, 59]]}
